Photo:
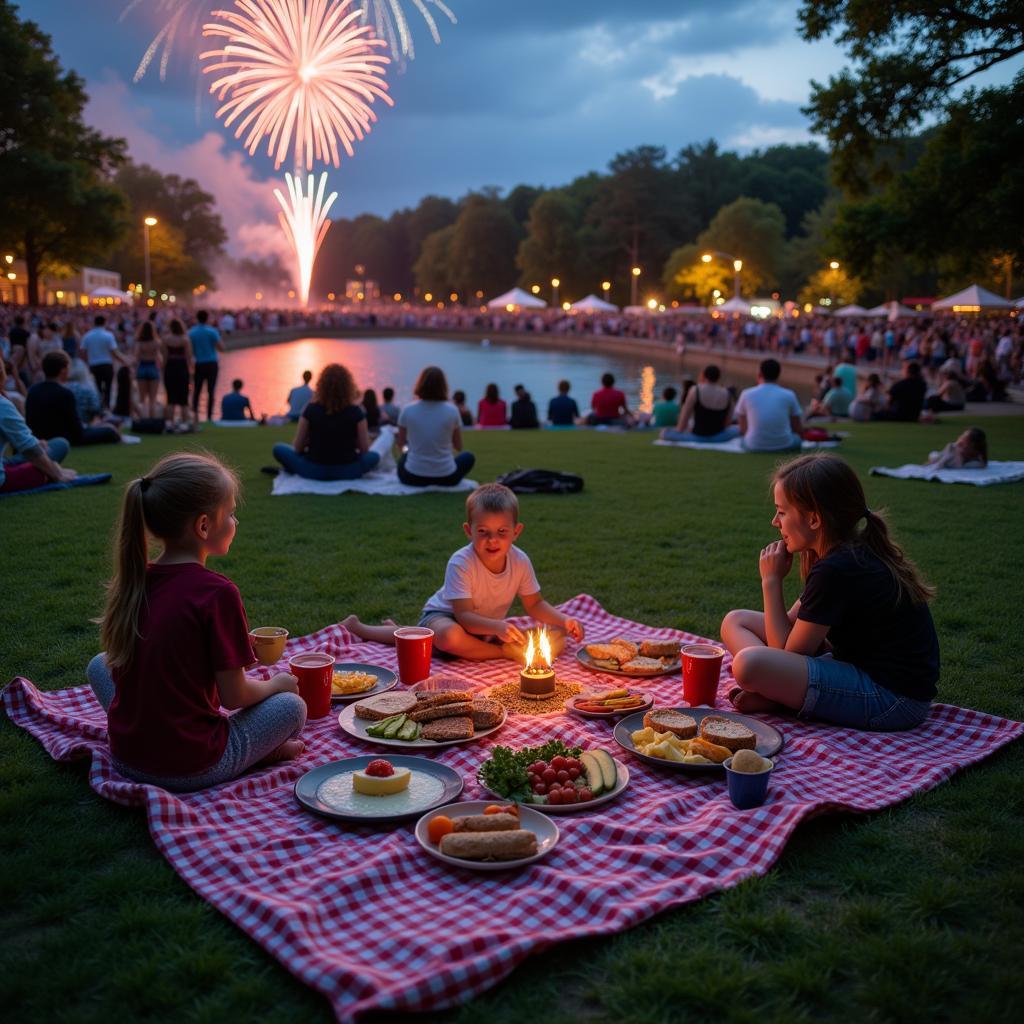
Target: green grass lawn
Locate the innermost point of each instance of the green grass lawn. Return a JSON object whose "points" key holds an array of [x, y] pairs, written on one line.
{"points": [[911, 914]]}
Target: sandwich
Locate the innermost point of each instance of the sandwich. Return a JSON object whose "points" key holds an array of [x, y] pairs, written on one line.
{"points": [[640, 666], [487, 713], [667, 649], [727, 733], [512, 844], [612, 654], [674, 722], [385, 705], [454, 709], [443, 729]]}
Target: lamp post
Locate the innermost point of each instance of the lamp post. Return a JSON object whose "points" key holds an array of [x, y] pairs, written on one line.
{"points": [[634, 283], [149, 222], [555, 282], [737, 266], [833, 266], [606, 287]]}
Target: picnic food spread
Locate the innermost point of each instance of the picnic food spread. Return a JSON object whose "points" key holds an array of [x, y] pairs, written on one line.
{"points": [[495, 835], [648, 657], [441, 716], [672, 736], [552, 774], [611, 702], [345, 683]]}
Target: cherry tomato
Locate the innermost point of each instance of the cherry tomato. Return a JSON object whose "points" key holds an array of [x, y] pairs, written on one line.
{"points": [[438, 828], [549, 776], [540, 788], [563, 776], [495, 809], [574, 773], [533, 777], [555, 796], [569, 794], [538, 767], [584, 795], [558, 762], [570, 763]]}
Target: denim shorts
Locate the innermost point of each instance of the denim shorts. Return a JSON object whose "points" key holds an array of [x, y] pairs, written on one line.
{"points": [[147, 370], [430, 614], [843, 694]]}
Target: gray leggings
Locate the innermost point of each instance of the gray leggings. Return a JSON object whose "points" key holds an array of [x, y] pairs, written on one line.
{"points": [[253, 733]]}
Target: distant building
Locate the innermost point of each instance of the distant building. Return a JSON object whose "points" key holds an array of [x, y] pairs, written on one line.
{"points": [[79, 288]]}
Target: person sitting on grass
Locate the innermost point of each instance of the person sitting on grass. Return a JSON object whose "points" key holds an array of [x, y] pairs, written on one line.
{"points": [[481, 582], [372, 409], [331, 440], [906, 396], [51, 410], [524, 412], [299, 397], [666, 411], [432, 428], [491, 410], [859, 647], [459, 401], [705, 413], [834, 403], [869, 401], [950, 397], [234, 406], [608, 406], [389, 410], [563, 410], [968, 451], [34, 463], [176, 641], [769, 415]]}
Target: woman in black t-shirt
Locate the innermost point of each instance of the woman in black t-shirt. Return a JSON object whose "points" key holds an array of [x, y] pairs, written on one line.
{"points": [[859, 647], [331, 440]]}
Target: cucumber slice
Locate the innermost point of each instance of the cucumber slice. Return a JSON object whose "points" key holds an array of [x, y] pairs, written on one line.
{"points": [[591, 768], [393, 726], [409, 731]]}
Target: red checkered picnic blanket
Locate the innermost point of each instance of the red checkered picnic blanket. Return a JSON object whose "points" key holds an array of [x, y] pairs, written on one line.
{"points": [[364, 916]]}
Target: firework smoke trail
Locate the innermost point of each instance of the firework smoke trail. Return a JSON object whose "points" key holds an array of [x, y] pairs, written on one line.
{"points": [[303, 217], [301, 73], [386, 17]]}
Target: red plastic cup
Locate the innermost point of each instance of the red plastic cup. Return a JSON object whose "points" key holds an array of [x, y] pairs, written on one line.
{"points": [[413, 644], [702, 665], [314, 671]]}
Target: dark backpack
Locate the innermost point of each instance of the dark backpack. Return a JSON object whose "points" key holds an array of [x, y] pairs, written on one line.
{"points": [[542, 481]]}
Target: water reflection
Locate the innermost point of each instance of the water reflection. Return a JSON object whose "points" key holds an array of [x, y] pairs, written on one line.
{"points": [[648, 379]]}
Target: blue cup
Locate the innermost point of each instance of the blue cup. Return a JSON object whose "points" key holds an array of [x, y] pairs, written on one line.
{"points": [[747, 789]]}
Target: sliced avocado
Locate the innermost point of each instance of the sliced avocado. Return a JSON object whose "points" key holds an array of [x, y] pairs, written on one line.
{"points": [[609, 773], [409, 731], [595, 777], [393, 726]]}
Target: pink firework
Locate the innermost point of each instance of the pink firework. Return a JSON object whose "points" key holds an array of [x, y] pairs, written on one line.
{"points": [[301, 73]]}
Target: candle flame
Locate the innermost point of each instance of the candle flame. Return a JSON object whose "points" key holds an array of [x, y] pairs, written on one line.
{"points": [[538, 651]]}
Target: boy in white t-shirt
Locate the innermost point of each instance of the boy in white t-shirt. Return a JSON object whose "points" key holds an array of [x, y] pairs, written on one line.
{"points": [[481, 582]]}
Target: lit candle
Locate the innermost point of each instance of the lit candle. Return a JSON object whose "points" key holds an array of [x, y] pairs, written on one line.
{"points": [[537, 678]]}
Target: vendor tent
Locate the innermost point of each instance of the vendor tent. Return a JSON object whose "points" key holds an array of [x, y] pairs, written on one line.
{"points": [[592, 304], [851, 310], [734, 305], [108, 293], [972, 300], [516, 297], [637, 310], [877, 311]]}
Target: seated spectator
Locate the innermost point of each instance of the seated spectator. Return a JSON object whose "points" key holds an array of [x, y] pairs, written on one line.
{"points": [[968, 451], [608, 406], [950, 397], [491, 410], [563, 410], [299, 396], [459, 401], [34, 463], [331, 440], [372, 410], [87, 397], [235, 406], [847, 373], [666, 412], [706, 412], [835, 402], [432, 428], [389, 410], [906, 396], [869, 401], [51, 412], [769, 415], [14, 387], [988, 387], [524, 412]]}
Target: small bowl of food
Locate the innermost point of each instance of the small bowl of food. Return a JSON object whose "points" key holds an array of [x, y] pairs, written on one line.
{"points": [[747, 774]]}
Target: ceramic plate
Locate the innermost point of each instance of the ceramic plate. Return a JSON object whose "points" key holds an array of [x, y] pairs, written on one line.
{"points": [[570, 705], [328, 790], [588, 663], [357, 727], [544, 828], [769, 739], [386, 679], [621, 783]]}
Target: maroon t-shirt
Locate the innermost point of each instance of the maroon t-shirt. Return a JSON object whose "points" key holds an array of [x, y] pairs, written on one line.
{"points": [[165, 718], [606, 403]]}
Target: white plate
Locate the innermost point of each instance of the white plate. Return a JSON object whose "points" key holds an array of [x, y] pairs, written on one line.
{"points": [[357, 727], [544, 828], [621, 783], [386, 680]]}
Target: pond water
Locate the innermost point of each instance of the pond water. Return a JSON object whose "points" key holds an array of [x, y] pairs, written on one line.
{"points": [[270, 371]]}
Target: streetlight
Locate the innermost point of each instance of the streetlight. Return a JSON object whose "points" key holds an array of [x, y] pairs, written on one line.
{"points": [[554, 290], [606, 287], [833, 265], [633, 284], [149, 222], [737, 266]]}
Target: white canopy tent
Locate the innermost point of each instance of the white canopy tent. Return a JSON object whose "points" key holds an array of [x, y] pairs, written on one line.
{"points": [[851, 310], [108, 293], [592, 304], [637, 310], [972, 300], [877, 311], [734, 305], [516, 297]]}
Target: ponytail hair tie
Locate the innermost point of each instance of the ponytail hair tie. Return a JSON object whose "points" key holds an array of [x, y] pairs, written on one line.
{"points": [[866, 513], [144, 483]]}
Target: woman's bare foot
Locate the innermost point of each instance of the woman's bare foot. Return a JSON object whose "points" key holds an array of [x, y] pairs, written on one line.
{"points": [[288, 750], [748, 703]]}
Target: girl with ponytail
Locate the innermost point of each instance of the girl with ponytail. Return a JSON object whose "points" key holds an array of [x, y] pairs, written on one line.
{"points": [[859, 646], [177, 642]]}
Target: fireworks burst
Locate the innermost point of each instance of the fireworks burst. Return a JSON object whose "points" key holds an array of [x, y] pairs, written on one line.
{"points": [[386, 17], [301, 70], [303, 216]]}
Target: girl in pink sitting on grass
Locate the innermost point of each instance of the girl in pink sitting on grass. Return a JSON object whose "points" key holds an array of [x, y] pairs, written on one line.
{"points": [[177, 642], [858, 648]]}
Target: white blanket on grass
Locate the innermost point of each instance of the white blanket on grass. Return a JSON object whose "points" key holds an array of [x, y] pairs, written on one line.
{"points": [[993, 473], [736, 446], [377, 482]]}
